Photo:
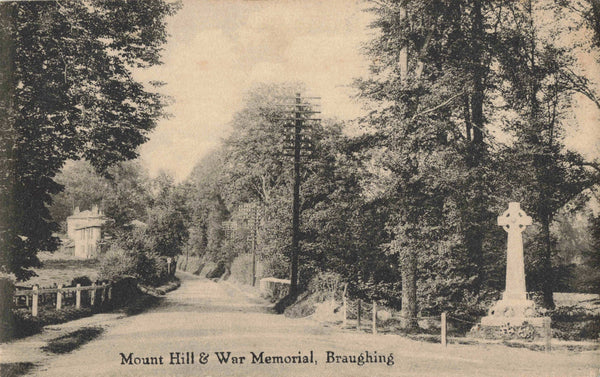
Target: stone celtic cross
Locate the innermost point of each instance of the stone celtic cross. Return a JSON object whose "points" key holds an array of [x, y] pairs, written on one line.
{"points": [[514, 221]]}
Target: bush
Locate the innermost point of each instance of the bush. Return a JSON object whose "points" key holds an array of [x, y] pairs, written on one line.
{"points": [[83, 280], [117, 263], [148, 268], [152, 269], [575, 323]]}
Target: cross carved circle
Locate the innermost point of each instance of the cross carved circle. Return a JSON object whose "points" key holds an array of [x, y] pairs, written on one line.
{"points": [[514, 218]]}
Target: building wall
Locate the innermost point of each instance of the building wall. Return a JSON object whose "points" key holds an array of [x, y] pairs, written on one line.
{"points": [[86, 242]]}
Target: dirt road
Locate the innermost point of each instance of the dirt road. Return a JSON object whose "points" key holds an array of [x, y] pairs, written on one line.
{"points": [[203, 318]]}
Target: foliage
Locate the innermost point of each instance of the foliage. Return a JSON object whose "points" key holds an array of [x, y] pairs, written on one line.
{"points": [[117, 263], [241, 269], [83, 280], [166, 232], [68, 93], [123, 196], [592, 257]]}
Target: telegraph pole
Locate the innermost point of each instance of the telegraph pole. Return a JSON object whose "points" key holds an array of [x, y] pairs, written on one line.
{"points": [[296, 199], [300, 142], [254, 235]]}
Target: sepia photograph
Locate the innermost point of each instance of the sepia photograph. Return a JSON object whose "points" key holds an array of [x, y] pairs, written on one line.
{"points": [[300, 188]]}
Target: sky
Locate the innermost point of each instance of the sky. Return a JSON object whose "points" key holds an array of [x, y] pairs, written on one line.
{"points": [[219, 48]]}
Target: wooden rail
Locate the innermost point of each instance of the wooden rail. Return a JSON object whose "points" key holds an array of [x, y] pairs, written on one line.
{"points": [[32, 296]]}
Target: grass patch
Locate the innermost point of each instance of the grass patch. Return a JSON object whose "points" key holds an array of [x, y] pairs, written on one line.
{"points": [[73, 340], [15, 369], [69, 264]]}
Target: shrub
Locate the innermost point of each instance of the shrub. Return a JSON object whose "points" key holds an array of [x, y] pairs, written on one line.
{"points": [[83, 280], [575, 323], [152, 269], [117, 263]]}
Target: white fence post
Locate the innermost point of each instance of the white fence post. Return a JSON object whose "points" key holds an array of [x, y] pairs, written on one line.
{"points": [[78, 296], [93, 294], [547, 333], [34, 301], [59, 296], [444, 328], [374, 317]]}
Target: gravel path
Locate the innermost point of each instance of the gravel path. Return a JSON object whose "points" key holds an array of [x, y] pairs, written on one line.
{"points": [[204, 318]]}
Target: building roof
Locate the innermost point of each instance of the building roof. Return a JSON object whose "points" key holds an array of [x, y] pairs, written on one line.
{"points": [[91, 224], [87, 214]]}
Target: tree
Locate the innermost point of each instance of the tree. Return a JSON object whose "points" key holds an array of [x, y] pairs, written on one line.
{"points": [[430, 83], [535, 71], [68, 93], [123, 196], [167, 223]]}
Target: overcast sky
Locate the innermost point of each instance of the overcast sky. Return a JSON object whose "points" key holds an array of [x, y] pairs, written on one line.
{"points": [[219, 48]]}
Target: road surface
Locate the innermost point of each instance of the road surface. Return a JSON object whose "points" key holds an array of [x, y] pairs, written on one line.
{"points": [[205, 318]]}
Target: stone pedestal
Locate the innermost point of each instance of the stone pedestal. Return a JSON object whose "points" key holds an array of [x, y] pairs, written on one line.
{"points": [[514, 314]]}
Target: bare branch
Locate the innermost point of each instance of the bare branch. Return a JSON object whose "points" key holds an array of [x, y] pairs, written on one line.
{"points": [[445, 103]]}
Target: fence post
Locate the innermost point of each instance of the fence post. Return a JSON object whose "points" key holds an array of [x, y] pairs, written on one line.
{"points": [[103, 295], [345, 305], [78, 296], [374, 317], [358, 307], [34, 301], [548, 333], [93, 294], [444, 328], [109, 292], [59, 296], [345, 310]]}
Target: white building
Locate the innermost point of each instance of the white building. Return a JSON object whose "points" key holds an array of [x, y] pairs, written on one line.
{"points": [[85, 229]]}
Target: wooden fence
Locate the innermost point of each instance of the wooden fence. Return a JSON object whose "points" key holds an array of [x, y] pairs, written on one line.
{"points": [[360, 312], [59, 296]]}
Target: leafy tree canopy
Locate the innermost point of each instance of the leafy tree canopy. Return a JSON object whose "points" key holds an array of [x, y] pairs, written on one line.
{"points": [[67, 92]]}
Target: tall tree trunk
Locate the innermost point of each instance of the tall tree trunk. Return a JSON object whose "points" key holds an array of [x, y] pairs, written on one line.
{"points": [[409, 291], [547, 276], [475, 122], [408, 268], [542, 166]]}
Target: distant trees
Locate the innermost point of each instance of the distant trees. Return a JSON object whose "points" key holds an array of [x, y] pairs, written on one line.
{"points": [[341, 230], [123, 197], [68, 93]]}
